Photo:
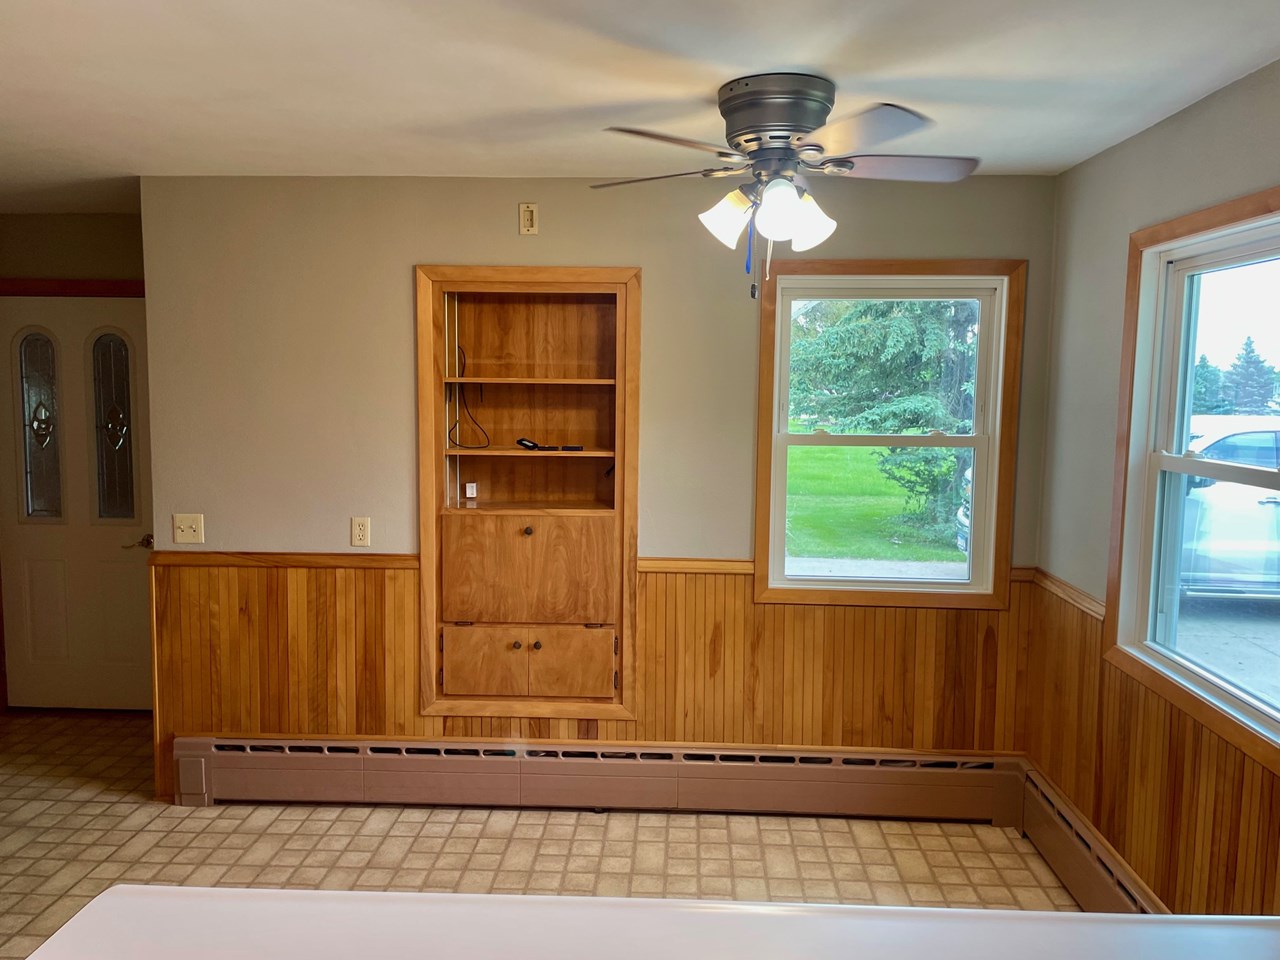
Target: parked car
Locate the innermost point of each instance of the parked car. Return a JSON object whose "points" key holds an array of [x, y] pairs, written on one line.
{"points": [[1231, 532]]}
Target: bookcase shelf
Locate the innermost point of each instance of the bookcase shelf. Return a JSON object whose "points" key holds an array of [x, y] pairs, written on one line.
{"points": [[545, 543], [523, 452], [552, 381]]}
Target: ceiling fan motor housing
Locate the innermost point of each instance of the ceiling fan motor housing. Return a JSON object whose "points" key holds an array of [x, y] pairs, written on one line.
{"points": [[773, 110]]}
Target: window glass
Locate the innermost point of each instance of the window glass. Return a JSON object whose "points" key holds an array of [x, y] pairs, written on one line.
{"points": [[113, 426], [882, 366], [1257, 449], [878, 513], [42, 475], [1215, 586], [1218, 583]]}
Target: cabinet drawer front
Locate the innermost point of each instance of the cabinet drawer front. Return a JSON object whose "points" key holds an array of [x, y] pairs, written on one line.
{"points": [[486, 661], [571, 661], [530, 568]]}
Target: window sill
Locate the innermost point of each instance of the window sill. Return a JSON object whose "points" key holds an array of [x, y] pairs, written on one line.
{"points": [[1213, 710], [997, 599]]}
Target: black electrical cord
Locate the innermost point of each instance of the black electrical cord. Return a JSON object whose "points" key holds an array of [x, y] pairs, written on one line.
{"points": [[466, 407]]}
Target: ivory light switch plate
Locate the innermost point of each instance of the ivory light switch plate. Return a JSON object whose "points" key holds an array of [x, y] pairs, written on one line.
{"points": [[360, 535], [188, 528]]}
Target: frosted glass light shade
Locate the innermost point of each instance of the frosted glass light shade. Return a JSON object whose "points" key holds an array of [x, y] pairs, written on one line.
{"points": [[814, 226], [780, 212], [728, 218]]}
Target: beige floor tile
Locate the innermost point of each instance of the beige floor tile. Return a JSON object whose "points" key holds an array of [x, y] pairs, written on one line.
{"points": [[68, 830]]}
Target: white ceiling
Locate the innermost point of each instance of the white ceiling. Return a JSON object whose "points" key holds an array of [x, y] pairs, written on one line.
{"points": [[95, 93]]}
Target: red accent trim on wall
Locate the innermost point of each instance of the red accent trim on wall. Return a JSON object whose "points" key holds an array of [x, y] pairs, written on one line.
{"points": [[24, 287]]}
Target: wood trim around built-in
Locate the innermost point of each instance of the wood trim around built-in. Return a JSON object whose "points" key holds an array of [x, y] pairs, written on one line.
{"points": [[1015, 272], [432, 283]]}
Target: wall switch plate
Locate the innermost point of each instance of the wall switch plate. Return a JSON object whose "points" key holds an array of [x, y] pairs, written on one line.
{"points": [[360, 535], [188, 528], [528, 219], [471, 491]]}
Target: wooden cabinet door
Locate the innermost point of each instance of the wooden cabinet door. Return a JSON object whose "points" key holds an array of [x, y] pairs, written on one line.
{"points": [[530, 568], [486, 661], [571, 661]]}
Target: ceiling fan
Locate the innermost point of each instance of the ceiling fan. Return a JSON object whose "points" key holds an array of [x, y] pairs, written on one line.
{"points": [[776, 132]]}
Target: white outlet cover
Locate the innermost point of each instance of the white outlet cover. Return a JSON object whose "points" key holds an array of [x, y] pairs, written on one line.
{"points": [[361, 534], [188, 528]]}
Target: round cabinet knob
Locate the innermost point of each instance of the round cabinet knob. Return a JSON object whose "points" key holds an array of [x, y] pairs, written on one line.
{"points": [[516, 645], [537, 644], [528, 531]]}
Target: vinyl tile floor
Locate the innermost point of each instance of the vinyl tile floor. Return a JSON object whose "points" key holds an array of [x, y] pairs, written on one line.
{"points": [[76, 816]]}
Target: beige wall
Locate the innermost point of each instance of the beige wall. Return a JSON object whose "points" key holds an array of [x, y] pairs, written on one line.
{"points": [[89, 246], [280, 324], [1222, 147]]}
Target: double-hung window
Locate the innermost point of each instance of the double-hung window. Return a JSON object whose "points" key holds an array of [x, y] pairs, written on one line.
{"points": [[1199, 593], [886, 432]]}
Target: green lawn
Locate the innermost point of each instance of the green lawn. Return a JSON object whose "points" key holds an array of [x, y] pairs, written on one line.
{"points": [[839, 504]]}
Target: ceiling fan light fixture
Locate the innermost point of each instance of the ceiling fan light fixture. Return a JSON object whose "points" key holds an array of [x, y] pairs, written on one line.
{"points": [[814, 226], [728, 218], [780, 212]]}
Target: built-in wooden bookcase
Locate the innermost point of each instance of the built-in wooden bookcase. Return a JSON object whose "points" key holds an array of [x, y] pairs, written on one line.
{"points": [[528, 556]]}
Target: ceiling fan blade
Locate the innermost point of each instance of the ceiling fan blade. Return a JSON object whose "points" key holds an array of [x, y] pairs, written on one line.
{"points": [[922, 169], [873, 126], [711, 172], [723, 152]]}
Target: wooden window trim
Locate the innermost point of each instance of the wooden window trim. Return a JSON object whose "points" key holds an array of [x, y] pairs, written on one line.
{"points": [[1230, 728], [1015, 274]]}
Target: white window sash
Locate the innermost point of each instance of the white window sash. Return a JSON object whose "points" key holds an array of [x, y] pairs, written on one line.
{"points": [[1160, 414], [992, 295], [1224, 470]]}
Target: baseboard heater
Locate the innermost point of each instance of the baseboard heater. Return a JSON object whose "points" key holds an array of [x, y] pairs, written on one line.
{"points": [[819, 783]]}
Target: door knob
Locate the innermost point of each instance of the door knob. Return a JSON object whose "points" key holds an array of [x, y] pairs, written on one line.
{"points": [[537, 644], [147, 542], [516, 645], [528, 531]]}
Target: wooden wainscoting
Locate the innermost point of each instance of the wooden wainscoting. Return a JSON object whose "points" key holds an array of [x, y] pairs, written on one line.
{"points": [[1195, 817], [327, 645], [273, 644]]}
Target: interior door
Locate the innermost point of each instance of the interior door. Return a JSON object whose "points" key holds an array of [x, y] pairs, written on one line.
{"points": [[75, 493]]}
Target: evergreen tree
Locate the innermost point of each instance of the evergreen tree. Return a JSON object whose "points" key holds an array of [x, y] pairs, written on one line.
{"points": [[1250, 384], [892, 367], [1207, 389]]}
